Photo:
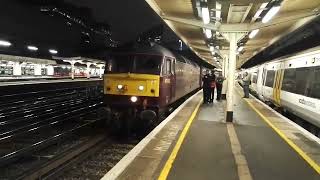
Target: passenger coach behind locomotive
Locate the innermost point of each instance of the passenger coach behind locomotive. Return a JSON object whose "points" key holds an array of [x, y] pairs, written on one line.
{"points": [[143, 83]]}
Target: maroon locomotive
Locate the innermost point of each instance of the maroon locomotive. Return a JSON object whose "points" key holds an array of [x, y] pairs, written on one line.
{"points": [[144, 83]]}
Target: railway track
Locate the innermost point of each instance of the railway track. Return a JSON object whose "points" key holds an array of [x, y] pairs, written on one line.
{"points": [[58, 136], [36, 128]]}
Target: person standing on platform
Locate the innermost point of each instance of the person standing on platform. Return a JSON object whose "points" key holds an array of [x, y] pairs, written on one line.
{"points": [[246, 81], [219, 83], [212, 78], [206, 87]]}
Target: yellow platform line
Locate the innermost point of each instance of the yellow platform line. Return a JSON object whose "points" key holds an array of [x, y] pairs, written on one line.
{"points": [[304, 155], [166, 169]]}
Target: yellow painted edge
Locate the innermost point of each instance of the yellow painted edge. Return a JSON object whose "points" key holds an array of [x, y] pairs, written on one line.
{"points": [[166, 169], [310, 161]]}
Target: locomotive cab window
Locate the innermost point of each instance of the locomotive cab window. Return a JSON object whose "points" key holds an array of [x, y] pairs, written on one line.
{"points": [[167, 66], [139, 63]]}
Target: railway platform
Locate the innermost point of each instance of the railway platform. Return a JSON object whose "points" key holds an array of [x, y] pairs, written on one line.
{"points": [[195, 142], [22, 87]]}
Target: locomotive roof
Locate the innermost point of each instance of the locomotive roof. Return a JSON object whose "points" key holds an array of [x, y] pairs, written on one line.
{"points": [[155, 49], [151, 49]]}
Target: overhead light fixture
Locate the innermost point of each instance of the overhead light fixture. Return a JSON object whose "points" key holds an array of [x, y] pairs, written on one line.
{"points": [[253, 33], [52, 51], [211, 48], [5, 43], [240, 48], [218, 10], [208, 33], [205, 15], [32, 48], [273, 11], [263, 5]]}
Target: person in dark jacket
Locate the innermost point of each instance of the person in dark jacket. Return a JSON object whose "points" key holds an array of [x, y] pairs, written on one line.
{"points": [[212, 78], [246, 81], [219, 83], [206, 87]]}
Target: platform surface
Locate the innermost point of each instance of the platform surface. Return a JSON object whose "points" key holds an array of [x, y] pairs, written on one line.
{"points": [[207, 153], [249, 148]]}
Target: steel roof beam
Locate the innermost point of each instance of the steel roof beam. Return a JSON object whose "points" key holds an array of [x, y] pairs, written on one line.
{"points": [[241, 27]]}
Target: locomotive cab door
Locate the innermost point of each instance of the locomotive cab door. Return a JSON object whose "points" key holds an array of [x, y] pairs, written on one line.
{"points": [[168, 75]]}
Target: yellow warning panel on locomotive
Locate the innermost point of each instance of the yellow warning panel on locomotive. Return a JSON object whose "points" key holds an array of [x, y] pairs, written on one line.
{"points": [[132, 84]]}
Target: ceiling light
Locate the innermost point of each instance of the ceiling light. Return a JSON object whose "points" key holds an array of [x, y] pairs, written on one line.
{"points": [[253, 33], [263, 5], [32, 48], [208, 33], [5, 43], [52, 51], [273, 11], [205, 15], [240, 48], [218, 11], [211, 48]]}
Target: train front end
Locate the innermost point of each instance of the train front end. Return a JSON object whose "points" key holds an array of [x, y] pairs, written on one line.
{"points": [[131, 87]]}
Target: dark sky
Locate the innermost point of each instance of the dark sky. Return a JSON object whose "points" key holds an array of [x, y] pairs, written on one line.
{"points": [[24, 23], [127, 18]]}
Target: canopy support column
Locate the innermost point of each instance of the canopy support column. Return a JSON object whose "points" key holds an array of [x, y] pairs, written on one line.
{"points": [[233, 38]]}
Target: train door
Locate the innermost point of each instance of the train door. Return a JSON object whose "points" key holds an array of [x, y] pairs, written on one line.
{"points": [[277, 85], [173, 78], [260, 81], [268, 84]]}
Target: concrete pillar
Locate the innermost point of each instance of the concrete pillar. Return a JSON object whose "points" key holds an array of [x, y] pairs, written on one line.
{"points": [[17, 69], [101, 71], [225, 75], [88, 70], [50, 70], [226, 63], [37, 69], [231, 73], [72, 69]]}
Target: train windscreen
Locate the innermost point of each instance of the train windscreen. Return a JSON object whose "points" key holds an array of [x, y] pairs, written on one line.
{"points": [[142, 64]]}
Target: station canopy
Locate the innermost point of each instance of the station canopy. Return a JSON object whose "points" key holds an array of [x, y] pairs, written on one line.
{"points": [[202, 24]]}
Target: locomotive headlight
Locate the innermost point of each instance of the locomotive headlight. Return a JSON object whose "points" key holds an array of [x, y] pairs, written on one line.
{"points": [[141, 88], [134, 99], [120, 86]]}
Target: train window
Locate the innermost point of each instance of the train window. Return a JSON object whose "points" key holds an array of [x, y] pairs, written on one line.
{"points": [[303, 76], [147, 64], [254, 77], [289, 80], [6, 70], [143, 64], [270, 78], [167, 69], [315, 88]]}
